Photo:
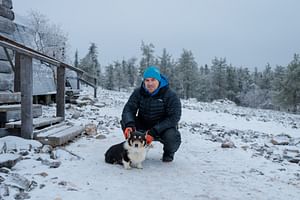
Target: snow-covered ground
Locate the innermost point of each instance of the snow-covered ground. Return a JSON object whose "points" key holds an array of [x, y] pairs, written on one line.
{"points": [[262, 163]]}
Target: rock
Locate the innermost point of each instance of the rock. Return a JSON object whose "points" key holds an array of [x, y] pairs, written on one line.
{"points": [[281, 139], [91, 129], [14, 143], [294, 160], [51, 164], [277, 142], [63, 154], [5, 190], [21, 196], [9, 160], [228, 144], [16, 180], [4, 170], [100, 136], [256, 171], [42, 186], [76, 114], [46, 149], [43, 174], [100, 105]]}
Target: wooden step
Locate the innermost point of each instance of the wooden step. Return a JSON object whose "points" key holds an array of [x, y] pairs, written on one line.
{"points": [[7, 97], [13, 112], [37, 122], [59, 134]]}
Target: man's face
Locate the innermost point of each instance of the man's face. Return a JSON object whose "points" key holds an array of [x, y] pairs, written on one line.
{"points": [[151, 84]]}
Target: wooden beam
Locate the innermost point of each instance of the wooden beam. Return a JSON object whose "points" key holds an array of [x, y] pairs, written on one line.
{"points": [[9, 59], [78, 83], [60, 92], [95, 89], [17, 81], [26, 96]]}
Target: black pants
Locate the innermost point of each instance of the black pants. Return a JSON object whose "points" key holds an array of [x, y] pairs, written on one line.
{"points": [[170, 138]]}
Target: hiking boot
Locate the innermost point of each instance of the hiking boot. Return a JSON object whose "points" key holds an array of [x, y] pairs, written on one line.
{"points": [[168, 157]]}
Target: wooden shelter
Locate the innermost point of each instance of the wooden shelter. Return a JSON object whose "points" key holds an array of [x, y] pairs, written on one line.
{"points": [[23, 86]]}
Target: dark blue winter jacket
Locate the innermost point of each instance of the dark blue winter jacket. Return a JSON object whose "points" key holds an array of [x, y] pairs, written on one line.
{"points": [[158, 111]]}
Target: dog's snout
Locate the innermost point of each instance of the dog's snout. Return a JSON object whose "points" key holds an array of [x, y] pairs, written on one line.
{"points": [[136, 145]]}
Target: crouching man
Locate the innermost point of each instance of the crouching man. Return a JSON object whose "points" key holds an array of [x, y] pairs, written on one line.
{"points": [[155, 109]]}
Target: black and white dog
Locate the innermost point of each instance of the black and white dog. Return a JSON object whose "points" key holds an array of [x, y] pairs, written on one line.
{"points": [[130, 153]]}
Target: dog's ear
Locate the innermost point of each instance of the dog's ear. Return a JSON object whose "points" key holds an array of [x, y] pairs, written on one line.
{"points": [[129, 135]]}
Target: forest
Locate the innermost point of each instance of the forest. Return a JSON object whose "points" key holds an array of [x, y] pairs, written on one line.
{"points": [[273, 87]]}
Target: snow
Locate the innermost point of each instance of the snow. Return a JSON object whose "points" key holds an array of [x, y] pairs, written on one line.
{"points": [[201, 169]]}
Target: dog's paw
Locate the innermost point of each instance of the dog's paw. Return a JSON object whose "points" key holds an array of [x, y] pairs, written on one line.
{"points": [[139, 166], [126, 165]]}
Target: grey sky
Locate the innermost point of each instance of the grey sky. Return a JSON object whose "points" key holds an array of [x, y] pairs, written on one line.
{"points": [[249, 33]]}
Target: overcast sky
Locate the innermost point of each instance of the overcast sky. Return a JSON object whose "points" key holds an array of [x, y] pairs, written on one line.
{"points": [[249, 33]]}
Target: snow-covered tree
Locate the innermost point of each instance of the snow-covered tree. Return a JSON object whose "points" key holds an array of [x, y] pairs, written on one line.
{"points": [[148, 57], [76, 60], [48, 38], [231, 83], [90, 63], [289, 96], [131, 71], [109, 83], [266, 78], [187, 74], [278, 81], [218, 78]]}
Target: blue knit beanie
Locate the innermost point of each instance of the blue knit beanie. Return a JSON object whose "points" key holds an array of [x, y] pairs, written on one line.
{"points": [[152, 72]]}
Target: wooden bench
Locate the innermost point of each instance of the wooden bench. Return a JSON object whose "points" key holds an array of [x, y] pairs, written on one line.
{"points": [[58, 134], [37, 123], [13, 112]]}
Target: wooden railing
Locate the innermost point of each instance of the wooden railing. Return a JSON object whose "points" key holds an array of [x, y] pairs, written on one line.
{"points": [[23, 81]]}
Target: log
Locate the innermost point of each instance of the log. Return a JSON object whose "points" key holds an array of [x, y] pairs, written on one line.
{"points": [[7, 13], [6, 97], [6, 25], [7, 3]]}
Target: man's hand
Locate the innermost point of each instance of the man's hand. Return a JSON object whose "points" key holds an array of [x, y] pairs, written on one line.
{"points": [[127, 131], [149, 138]]}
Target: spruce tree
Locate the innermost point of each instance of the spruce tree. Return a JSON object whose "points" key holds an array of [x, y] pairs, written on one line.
{"points": [[289, 96], [231, 83], [109, 80], [187, 74], [218, 78], [131, 71], [148, 57]]}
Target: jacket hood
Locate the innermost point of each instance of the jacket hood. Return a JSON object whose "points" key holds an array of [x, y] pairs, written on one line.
{"points": [[162, 84]]}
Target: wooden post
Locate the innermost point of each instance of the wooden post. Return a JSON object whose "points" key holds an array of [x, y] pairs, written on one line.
{"points": [[78, 83], [60, 92], [26, 96], [17, 83], [95, 89]]}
